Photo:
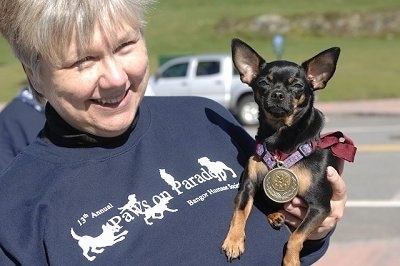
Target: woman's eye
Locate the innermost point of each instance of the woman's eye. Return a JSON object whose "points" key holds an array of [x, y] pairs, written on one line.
{"points": [[124, 45], [81, 62]]}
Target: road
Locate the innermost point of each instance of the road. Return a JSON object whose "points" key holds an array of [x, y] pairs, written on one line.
{"points": [[373, 180]]}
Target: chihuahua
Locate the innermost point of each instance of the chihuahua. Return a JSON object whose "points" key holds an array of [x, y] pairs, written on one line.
{"points": [[291, 155]]}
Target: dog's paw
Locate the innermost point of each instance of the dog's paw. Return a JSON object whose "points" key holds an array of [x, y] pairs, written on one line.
{"points": [[276, 219], [233, 247]]}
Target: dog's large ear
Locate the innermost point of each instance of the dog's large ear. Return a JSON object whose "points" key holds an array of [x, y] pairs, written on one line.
{"points": [[321, 67], [247, 61]]}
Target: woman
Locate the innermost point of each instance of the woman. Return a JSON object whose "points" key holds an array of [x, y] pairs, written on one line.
{"points": [[114, 178]]}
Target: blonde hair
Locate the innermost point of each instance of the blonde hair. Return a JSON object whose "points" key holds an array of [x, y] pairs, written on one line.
{"points": [[38, 29]]}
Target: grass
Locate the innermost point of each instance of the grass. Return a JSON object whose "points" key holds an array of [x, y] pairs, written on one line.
{"points": [[367, 67], [12, 77]]}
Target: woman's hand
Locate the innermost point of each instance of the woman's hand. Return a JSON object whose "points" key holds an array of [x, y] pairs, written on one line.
{"points": [[295, 210]]}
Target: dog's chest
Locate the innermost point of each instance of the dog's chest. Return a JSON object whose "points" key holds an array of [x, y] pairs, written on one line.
{"points": [[304, 177]]}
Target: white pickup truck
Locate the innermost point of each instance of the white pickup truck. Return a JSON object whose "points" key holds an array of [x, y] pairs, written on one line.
{"points": [[210, 75]]}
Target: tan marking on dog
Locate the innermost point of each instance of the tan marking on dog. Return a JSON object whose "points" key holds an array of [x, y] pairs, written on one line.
{"points": [[296, 241], [304, 176], [300, 100], [234, 242], [294, 246], [277, 123], [288, 121], [297, 102], [255, 166]]}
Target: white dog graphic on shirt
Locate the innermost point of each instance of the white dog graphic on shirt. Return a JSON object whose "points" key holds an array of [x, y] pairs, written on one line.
{"points": [[157, 211], [216, 169], [96, 244]]}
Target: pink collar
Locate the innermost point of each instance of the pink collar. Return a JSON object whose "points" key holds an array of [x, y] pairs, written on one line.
{"points": [[340, 145]]}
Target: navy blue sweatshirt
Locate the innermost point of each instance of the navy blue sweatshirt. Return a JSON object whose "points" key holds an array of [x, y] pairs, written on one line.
{"points": [[160, 195]]}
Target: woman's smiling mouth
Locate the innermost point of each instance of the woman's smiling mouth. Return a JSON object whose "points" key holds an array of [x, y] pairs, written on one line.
{"points": [[110, 100]]}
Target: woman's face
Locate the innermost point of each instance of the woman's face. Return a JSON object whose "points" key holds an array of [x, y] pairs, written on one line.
{"points": [[99, 92]]}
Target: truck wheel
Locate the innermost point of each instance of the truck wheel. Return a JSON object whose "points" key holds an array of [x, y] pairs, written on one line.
{"points": [[248, 111]]}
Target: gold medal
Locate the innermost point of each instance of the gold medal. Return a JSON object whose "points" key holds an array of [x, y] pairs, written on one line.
{"points": [[281, 185]]}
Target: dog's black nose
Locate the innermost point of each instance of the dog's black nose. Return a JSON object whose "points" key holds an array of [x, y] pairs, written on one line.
{"points": [[277, 95]]}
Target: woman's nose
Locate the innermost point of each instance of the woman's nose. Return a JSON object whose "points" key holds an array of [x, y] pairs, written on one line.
{"points": [[113, 74]]}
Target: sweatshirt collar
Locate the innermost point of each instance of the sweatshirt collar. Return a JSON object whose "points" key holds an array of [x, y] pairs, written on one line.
{"points": [[60, 133]]}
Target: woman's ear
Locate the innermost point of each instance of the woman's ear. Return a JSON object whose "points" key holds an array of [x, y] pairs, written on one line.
{"points": [[33, 83]]}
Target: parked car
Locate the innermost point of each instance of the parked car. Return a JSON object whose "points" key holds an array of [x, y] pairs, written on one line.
{"points": [[209, 75]]}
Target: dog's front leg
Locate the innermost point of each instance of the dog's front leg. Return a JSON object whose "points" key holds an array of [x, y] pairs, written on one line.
{"points": [[233, 245], [314, 217]]}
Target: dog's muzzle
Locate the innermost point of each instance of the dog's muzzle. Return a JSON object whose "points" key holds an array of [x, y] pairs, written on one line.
{"points": [[278, 105]]}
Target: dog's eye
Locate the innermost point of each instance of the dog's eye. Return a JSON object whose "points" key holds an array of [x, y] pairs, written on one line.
{"points": [[297, 86], [262, 83], [298, 89]]}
